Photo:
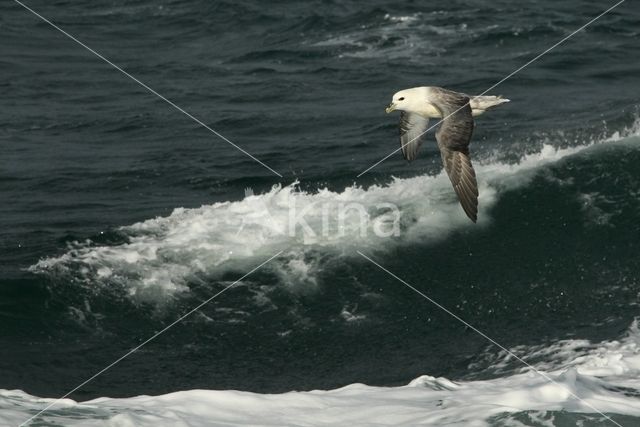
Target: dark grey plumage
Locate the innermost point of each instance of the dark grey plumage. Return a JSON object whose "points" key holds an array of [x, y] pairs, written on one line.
{"points": [[453, 137]]}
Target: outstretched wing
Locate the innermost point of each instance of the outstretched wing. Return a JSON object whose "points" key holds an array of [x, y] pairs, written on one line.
{"points": [[453, 139], [462, 176], [412, 129]]}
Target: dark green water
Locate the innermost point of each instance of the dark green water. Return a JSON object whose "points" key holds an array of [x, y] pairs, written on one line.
{"points": [[84, 152]]}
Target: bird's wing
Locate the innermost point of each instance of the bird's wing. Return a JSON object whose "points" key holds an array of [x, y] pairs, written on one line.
{"points": [[453, 139], [412, 128]]}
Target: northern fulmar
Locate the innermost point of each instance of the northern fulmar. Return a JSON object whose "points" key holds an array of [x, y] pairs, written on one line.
{"points": [[417, 105]]}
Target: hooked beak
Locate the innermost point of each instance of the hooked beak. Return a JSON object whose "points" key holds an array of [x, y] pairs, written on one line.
{"points": [[390, 108]]}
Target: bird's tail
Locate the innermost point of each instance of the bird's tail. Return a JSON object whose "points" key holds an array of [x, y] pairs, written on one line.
{"points": [[480, 104]]}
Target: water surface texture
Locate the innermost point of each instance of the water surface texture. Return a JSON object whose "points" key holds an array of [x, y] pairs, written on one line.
{"points": [[119, 214]]}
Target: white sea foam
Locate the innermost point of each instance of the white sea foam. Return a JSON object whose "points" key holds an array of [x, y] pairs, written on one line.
{"points": [[163, 254], [594, 375], [618, 361]]}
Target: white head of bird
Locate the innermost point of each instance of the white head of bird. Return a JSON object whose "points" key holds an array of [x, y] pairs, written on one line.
{"points": [[414, 100]]}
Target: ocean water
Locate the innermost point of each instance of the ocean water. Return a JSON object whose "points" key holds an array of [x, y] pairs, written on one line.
{"points": [[119, 214]]}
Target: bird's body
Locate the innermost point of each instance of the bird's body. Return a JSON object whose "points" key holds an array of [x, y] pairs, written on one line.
{"points": [[417, 106]]}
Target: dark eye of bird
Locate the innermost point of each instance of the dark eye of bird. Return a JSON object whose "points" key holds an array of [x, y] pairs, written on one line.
{"points": [[401, 99]]}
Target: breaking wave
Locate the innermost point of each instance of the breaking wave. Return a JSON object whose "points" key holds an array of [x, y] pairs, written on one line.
{"points": [[589, 375], [161, 256]]}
